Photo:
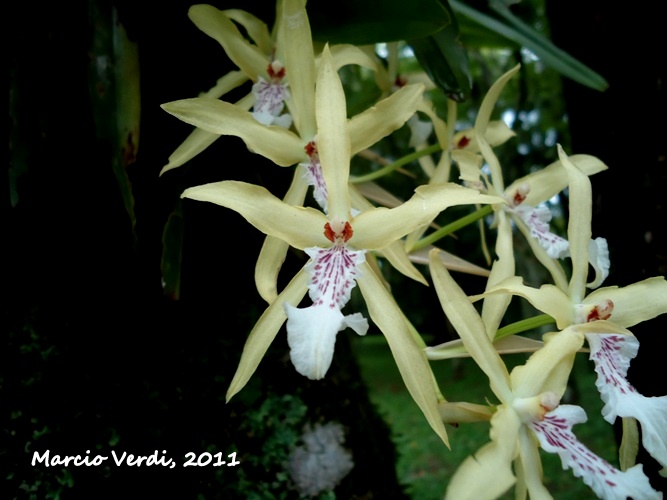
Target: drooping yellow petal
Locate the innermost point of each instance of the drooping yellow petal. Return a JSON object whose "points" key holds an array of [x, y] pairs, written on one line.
{"points": [[506, 345], [195, 143], [467, 322], [531, 467], [218, 26], [275, 143], [634, 303], [300, 227], [487, 473], [458, 413], [388, 115], [376, 228], [333, 139], [265, 331], [495, 306], [409, 357], [274, 250], [296, 44]]}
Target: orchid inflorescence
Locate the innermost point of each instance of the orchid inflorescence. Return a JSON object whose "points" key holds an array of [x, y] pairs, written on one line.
{"points": [[295, 116]]}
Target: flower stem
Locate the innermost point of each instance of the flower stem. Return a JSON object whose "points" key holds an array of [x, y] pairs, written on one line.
{"points": [[524, 325], [395, 165], [454, 226]]}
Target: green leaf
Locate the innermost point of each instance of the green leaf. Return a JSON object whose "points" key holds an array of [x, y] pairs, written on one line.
{"points": [[364, 22], [444, 59], [172, 251], [115, 94], [519, 33]]}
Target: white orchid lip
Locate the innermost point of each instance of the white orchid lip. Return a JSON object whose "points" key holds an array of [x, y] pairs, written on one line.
{"points": [[270, 97], [314, 175], [311, 331]]}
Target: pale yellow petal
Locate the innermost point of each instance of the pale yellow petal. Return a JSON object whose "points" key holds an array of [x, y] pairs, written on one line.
{"points": [[548, 369], [469, 164], [634, 303], [548, 182], [396, 255], [487, 474], [296, 45], [531, 466], [275, 143], [388, 115], [333, 140], [506, 345], [495, 306], [579, 225], [255, 27], [195, 143], [409, 357], [265, 331], [458, 413], [490, 99], [376, 228], [274, 250], [548, 298], [466, 321], [451, 261], [300, 227], [218, 26], [344, 54]]}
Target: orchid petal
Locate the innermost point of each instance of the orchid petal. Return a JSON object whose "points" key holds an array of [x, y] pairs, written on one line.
{"points": [[300, 227], [634, 303], [451, 261], [529, 468], [398, 258], [265, 330], [611, 354], [218, 26], [490, 99], [195, 143], [311, 335], [376, 228], [467, 322], [495, 306], [457, 413], [506, 345], [409, 356], [333, 140], [598, 255], [548, 182], [548, 369], [344, 54], [275, 143], [548, 298], [469, 164], [579, 225], [274, 250], [555, 436], [296, 43], [395, 252], [388, 115], [487, 474], [255, 27]]}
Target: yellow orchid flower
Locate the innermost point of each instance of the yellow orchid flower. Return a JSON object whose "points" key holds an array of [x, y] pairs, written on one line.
{"points": [[607, 312], [336, 243], [529, 415], [214, 118]]}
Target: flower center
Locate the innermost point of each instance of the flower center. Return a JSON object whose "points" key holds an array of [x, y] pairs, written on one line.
{"points": [[338, 231]]}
